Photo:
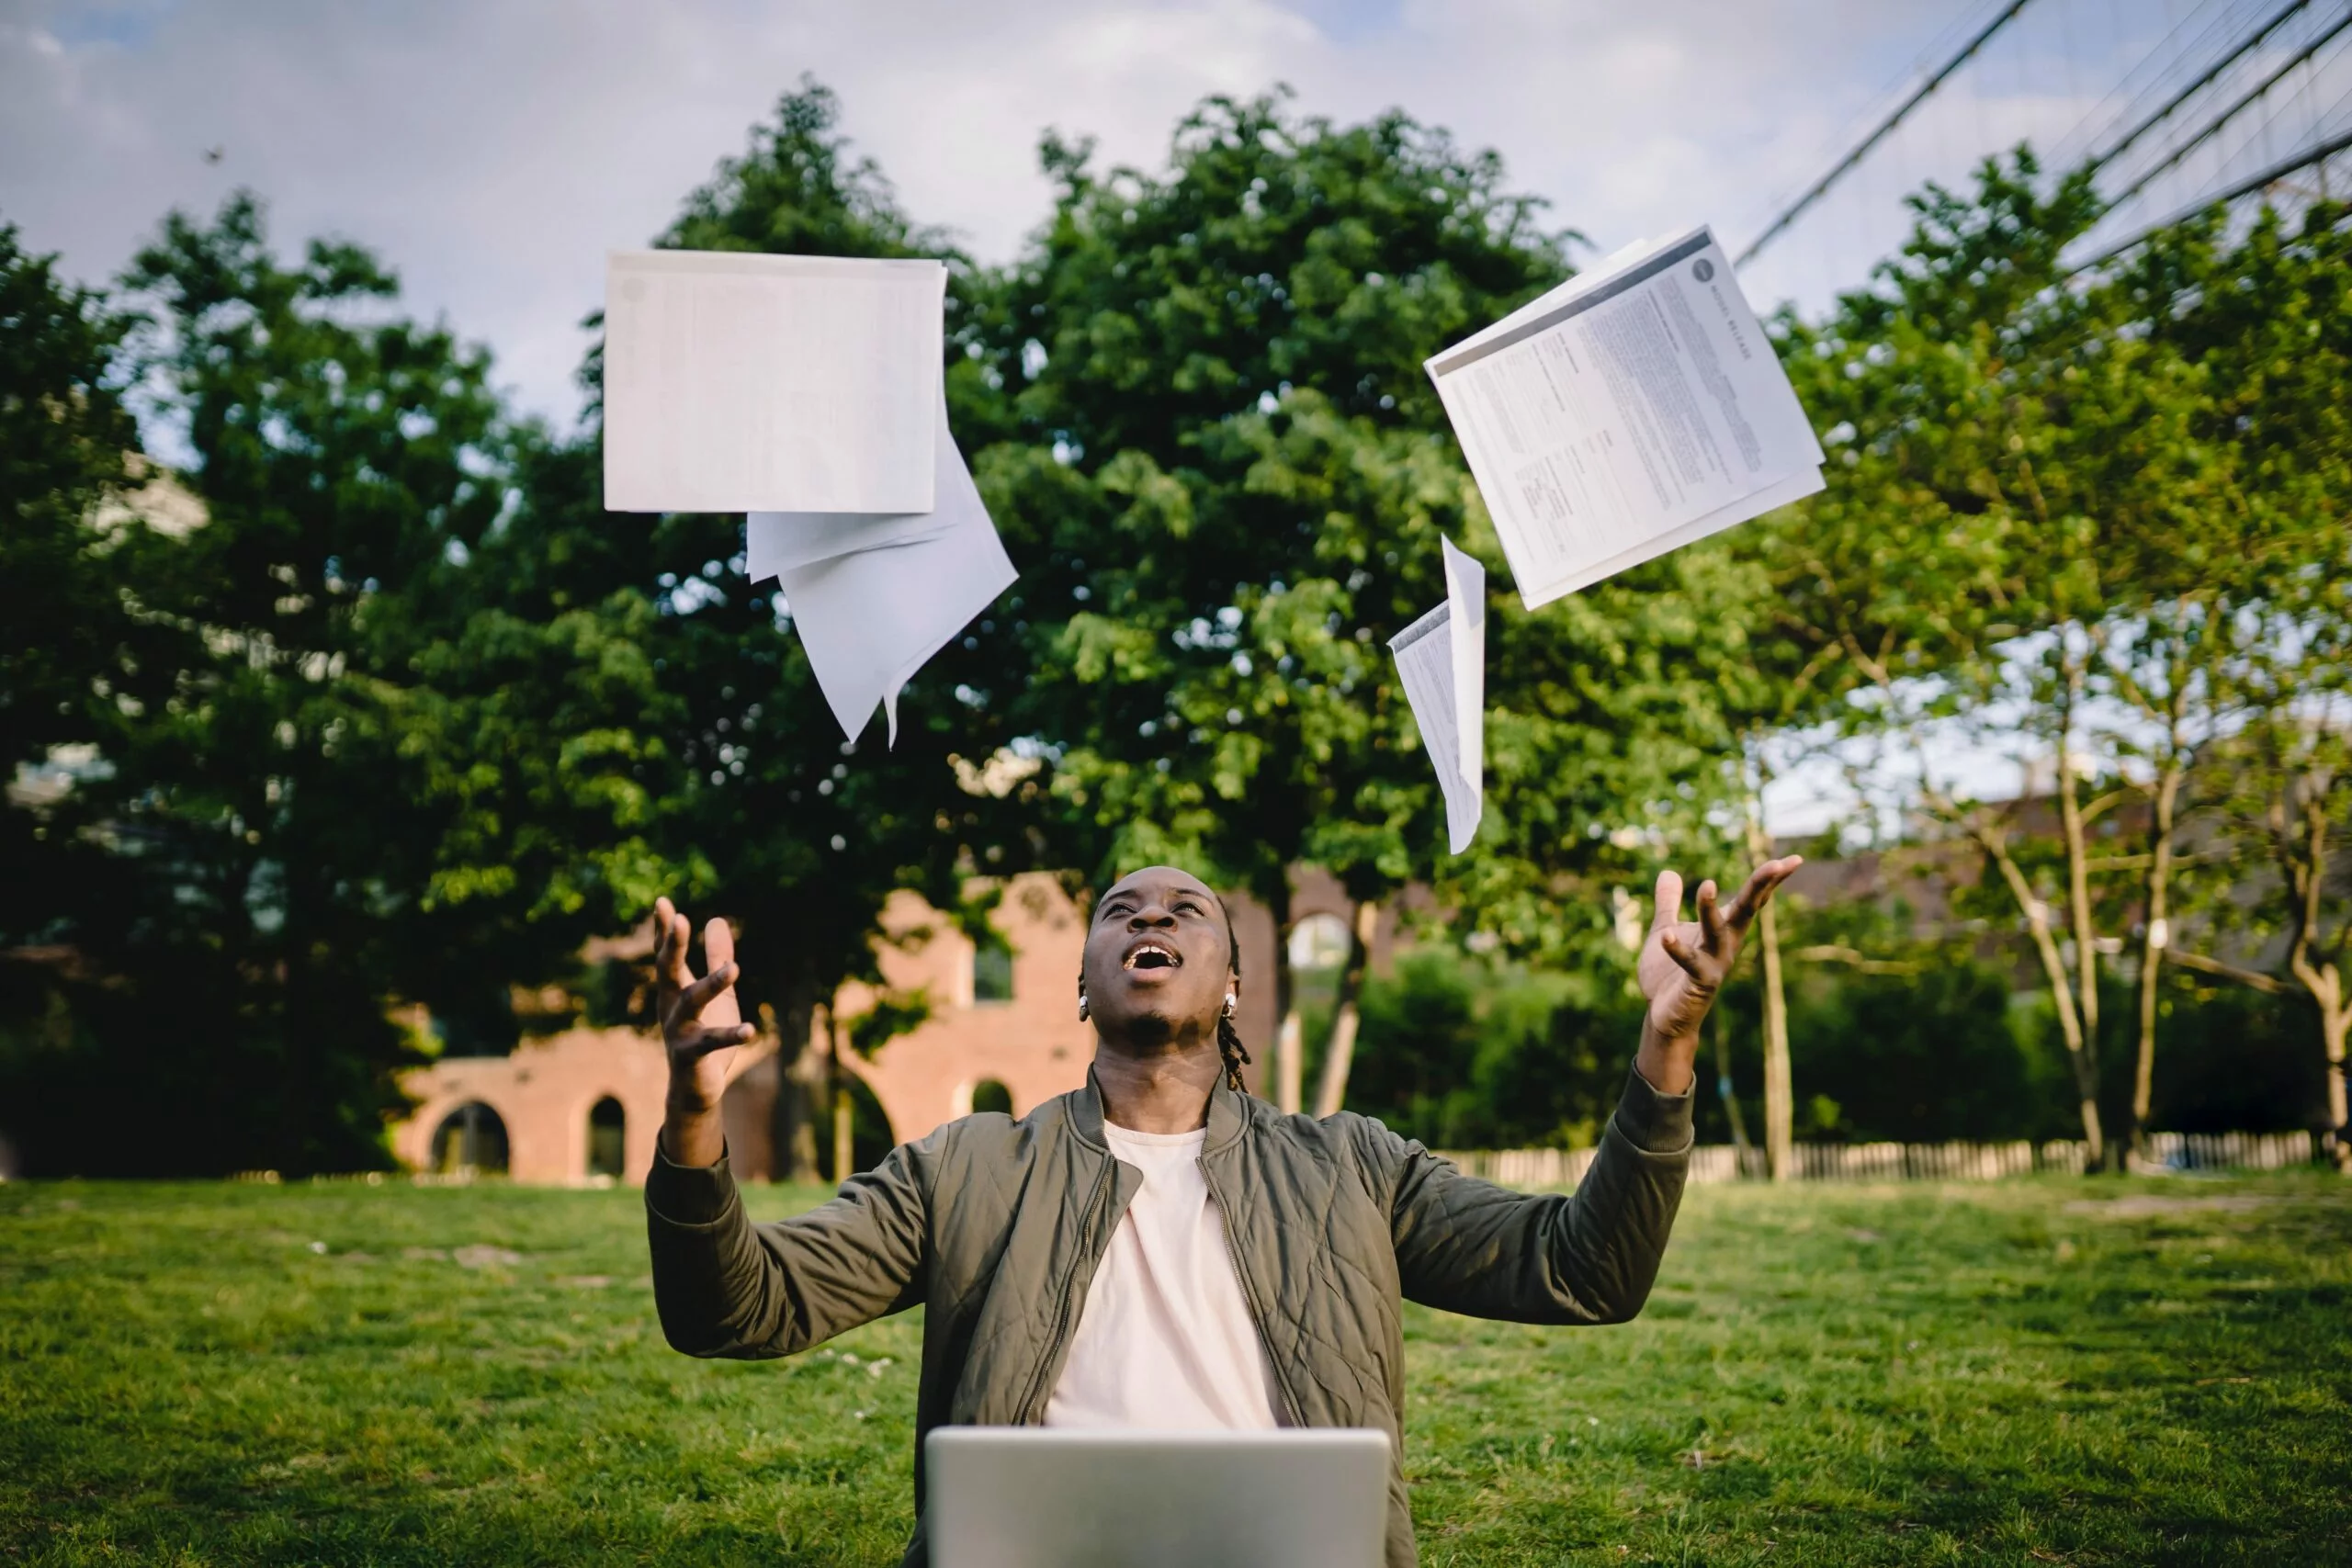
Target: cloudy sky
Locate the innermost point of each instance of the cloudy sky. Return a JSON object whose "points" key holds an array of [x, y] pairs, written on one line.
{"points": [[493, 150]]}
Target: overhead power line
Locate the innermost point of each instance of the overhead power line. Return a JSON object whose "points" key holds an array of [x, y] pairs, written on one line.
{"points": [[2252, 41], [2317, 152], [1861, 149], [2160, 61], [2250, 96]]}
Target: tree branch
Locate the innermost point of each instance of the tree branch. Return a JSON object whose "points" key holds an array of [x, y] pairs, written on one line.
{"points": [[1837, 952], [2269, 984]]}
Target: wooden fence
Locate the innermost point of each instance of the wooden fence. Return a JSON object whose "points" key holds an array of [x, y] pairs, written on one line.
{"points": [[1913, 1162]]}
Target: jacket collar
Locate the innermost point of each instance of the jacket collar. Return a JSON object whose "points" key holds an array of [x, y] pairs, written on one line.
{"points": [[1229, 1114]]}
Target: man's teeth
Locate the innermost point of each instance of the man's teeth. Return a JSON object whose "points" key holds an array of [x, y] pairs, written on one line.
{"points": [[1169, 959]]}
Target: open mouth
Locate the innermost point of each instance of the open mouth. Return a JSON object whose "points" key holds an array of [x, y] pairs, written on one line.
{"points": [[1152, 955]]}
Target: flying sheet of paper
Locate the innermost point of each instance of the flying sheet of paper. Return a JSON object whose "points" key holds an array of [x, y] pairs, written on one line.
{"points": [[1591, 278], [873, 613], [739, 382], [778, 541], [1442, 659], [1635, 409], [1796, 486]]}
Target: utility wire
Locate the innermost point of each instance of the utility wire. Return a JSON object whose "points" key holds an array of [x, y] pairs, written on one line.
{"points": [[2252, 41], [2217, 121], [1863, 148], [2316, 153], [2160, 62]]}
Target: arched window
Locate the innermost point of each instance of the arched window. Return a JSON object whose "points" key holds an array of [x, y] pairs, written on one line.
{"points": [[608, 1130], [993, 970], [471, 1141], [1319, 941]]}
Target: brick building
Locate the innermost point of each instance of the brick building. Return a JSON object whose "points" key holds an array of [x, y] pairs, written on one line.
{"points": [[584, 1105]]}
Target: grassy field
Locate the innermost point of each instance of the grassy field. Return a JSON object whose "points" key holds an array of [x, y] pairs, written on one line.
{"points": [[2119, 1372]]}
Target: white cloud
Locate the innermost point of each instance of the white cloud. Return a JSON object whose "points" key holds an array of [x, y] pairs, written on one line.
{"points": [[491, 152]]}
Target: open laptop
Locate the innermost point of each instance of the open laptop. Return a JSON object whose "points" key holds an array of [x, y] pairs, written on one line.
{"points": [[1034, 1498]]}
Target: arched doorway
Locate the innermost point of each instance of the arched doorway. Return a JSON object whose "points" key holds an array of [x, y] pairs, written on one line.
{"points": [[608, 1139], [979, 1094], [471, 1141], [861, 1131]]}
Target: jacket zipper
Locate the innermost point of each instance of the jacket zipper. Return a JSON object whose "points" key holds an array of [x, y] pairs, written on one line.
{"points": [[1257, 1312], [1033, 1407]]}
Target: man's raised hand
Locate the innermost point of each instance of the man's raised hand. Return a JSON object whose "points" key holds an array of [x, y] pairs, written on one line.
{"points": [[701, 1021], [1685, 962]]}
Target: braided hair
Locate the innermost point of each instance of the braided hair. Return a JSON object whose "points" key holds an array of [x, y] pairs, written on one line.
{"points": [[1234, 1054]]}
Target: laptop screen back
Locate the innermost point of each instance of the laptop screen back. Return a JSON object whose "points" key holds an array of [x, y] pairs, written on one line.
{"points": [[1034, 1498]]}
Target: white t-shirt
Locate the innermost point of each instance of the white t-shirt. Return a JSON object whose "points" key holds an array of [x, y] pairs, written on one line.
{"points": [[1165, 1338]]}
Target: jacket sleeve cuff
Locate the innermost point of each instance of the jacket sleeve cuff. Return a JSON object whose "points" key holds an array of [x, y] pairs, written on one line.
{"points": [[688, 1194], [1654, 1122]]}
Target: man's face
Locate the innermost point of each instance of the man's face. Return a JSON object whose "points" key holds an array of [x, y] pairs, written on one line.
{"points": [[1158, 958]]}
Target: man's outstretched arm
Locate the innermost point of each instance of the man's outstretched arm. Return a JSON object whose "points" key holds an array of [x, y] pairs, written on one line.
{"points": [[1472, 1247], [724, 1286]]}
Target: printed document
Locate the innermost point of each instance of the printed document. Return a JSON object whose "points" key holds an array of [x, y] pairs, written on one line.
{"points": [[1442, 659], [741, 382], [874, 597], [1636, 409]]}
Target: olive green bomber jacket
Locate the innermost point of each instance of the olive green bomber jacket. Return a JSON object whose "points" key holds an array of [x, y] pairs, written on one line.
{"points": [[995, 1226]]}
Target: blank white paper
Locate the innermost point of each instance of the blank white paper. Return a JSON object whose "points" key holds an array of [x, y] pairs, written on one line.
{"points": [[1442, 659], [871, 617], [775, 542], [741, 382], [1624, 414]]}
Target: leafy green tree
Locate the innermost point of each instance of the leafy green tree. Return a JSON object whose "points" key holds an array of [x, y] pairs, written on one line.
{"points": [[66, 633], [323, 784], [64, 438], [1468, 1053], [1225, 487], [1963, 566], [1226, 484], [2066, 517], [2267, 308], [766, 815], [2230, 496]]}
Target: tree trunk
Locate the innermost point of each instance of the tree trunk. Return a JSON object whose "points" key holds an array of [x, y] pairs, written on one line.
{"points": [[802, 1093], [1779, 1086], [1339, 1056], [1723, 1091], [2053, 966], [837, 1106], [1290, 1065], [1779, 1089], [1290, 1043], [2336, 1028], [2153, 941], [844, 1145], [2085, 928], [2303, 851]]}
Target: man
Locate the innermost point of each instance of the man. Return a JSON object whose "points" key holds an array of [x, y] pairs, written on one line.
{"points": [[1159, 1248]]}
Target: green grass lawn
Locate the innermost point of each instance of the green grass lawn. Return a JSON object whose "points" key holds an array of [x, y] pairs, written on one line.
{"points": [[2115, 1371]]}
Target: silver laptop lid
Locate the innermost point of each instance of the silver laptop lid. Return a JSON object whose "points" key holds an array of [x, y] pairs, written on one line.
{"points": [[1039, 1497]]}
